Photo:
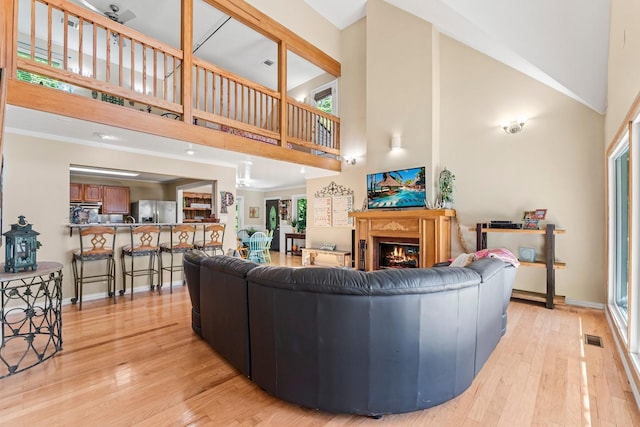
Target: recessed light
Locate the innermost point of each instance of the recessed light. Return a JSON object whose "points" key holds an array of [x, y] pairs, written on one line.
{"points": [[104, 136], [190, 151]]}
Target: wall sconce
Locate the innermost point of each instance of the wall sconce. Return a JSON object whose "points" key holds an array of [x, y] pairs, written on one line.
{"points": [[396, 141], [350, 160], [514, 126]]}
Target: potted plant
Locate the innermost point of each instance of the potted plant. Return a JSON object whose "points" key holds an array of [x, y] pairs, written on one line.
{"points": [[446, 188], [294, 224]]}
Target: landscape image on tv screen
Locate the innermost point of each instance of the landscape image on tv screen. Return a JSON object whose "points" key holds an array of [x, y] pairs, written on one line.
{"points": [[396, 189]]}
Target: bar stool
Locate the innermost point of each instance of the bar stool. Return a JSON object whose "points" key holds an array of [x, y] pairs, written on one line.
{"points": [[181, 239], [94, 247], [147, 243], [213, 238]]}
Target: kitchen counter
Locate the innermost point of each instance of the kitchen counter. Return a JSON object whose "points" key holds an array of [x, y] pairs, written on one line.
{"points": [[129, 225]]}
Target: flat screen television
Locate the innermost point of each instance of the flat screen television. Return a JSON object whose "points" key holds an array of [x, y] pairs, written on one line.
{"points": [[398, 189]]}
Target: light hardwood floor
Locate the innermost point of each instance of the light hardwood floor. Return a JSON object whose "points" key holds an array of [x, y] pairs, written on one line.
{"points": [[138, 363]]}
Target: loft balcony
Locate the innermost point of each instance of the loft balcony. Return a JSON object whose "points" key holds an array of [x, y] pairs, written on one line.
{"points": [[70, 60]]}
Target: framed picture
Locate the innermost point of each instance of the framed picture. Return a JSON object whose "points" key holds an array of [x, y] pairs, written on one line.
{"points": [[254, 212], [540, 214], [530, 224], [528, 215]]}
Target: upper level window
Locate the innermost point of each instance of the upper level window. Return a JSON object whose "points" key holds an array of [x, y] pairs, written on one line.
{"points": [[325, 98]]}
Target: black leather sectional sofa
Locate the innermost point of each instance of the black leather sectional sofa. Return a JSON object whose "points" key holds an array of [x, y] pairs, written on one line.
{"points": [[346, 341]]}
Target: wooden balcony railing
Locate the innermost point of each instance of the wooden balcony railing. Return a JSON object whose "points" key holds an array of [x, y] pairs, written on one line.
{"points": [[70, 48], [312, 128], [94, 53], [231, 102]]}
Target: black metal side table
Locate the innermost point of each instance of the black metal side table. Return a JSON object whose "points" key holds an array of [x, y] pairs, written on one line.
{"points": [[30, 316]]}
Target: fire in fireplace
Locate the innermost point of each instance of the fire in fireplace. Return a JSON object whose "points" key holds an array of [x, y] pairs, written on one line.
{"points": [[398, 255]]}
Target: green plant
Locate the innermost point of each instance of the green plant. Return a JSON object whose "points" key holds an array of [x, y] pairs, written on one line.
{"points": [[251, 231], [294, 223], [446, 185]]}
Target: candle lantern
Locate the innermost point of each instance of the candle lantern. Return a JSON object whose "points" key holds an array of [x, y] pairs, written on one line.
{"points": [[21, 245]]}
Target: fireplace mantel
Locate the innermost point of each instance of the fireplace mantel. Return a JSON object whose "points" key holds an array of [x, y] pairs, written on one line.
{"points": [[432, 228]]}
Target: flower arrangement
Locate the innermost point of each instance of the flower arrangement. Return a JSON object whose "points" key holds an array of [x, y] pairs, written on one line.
{"points": [[446, 186]]}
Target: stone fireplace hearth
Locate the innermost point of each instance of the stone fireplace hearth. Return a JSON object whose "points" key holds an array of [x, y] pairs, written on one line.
{"points": [[428, 231]]}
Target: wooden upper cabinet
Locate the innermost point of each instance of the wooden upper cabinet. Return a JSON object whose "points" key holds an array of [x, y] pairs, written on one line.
{"points": [[76, 193], [115, 200], [85, 192], [92, 193]]}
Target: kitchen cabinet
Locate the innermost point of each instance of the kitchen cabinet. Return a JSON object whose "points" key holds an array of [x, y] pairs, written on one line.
{"points": [[92, 192], [196, 206], [76, 193], [115, 200], [85, 192]]}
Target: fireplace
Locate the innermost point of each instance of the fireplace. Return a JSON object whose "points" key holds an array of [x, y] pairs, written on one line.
{"points": [[421, 237], [398, 253]]}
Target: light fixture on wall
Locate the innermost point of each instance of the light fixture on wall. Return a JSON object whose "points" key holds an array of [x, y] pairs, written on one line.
{"points": [[190, 151], [350, 160], [396, 141], [514, 126]]}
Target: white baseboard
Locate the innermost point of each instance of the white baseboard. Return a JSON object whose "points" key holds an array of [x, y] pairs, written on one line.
{"points": [[103, 295], [586, 304]]}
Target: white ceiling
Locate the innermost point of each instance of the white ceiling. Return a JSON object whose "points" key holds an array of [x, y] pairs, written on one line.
{"points": [[561, 43]]}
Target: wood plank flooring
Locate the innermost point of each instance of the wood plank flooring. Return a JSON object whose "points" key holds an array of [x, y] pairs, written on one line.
{"points": [[137, 363]]}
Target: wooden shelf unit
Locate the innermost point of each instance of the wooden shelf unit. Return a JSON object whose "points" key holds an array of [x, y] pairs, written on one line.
{"points": [[196, 214], [549, 262]]}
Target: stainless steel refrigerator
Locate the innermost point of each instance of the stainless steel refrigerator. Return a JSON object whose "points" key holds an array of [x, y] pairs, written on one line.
{"points": [[158, 211]]}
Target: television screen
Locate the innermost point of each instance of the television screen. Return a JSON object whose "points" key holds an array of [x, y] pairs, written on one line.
{"points": [[397, 189]]}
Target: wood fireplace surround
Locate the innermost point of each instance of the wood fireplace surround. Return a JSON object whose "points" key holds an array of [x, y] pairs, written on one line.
{"points": [[431, 229]]}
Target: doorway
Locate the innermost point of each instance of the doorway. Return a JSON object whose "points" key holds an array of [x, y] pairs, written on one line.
{"points": [[273, 222]]}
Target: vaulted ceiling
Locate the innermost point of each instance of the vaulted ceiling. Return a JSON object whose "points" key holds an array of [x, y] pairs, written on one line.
{"points": [[561, 43]]}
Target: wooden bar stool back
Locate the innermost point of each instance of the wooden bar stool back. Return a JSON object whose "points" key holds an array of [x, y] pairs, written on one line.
{"points": [[145, 241], [181, 239], [213, 238], [96, 244]]}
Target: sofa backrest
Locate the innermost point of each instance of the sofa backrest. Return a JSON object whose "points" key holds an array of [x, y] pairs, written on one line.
{"points": [[354, 282]]}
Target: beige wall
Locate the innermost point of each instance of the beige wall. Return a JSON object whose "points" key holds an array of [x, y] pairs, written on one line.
{"points": [[36, 184], [624, 64], [399, 87], [554, 163]]}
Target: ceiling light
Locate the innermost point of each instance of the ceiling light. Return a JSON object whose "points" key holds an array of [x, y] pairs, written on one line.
{"points": [[302, 170], [190, 151], [104, 136], [102, 171], [514, 126]]}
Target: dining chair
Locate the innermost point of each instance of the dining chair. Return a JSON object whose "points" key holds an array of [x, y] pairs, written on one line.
{"points": [[267, 248], [257, 244], [243, 242]]}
